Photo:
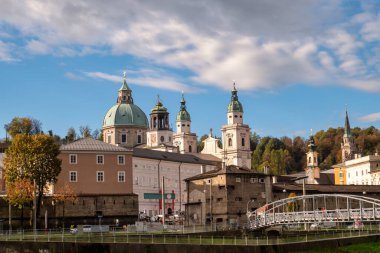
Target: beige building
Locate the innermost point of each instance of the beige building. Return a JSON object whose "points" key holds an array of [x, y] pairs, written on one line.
{"points": [[222, 195], [93, 167]]}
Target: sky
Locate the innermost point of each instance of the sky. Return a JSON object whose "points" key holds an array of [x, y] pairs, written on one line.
{"points": [[297, 64]]}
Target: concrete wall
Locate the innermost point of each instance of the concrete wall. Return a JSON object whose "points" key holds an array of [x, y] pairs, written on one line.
{"points": [[82, 211]]}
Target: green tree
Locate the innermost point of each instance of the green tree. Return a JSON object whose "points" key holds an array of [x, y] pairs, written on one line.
{"points": [[71, 135], [201, 145], [85, 131], [33, 158]]}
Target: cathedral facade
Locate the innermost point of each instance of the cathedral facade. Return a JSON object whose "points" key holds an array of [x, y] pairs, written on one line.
{"points": [[161, 158]]}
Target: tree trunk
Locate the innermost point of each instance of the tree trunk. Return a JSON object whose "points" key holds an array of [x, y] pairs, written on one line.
{"points": [[22, 217]]}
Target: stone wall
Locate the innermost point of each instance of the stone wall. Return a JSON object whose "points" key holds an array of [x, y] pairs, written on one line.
{"points": [[85, 210]]}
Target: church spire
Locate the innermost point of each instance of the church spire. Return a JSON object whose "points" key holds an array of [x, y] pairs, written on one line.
{"points": [[347, 128], [125, 93]]}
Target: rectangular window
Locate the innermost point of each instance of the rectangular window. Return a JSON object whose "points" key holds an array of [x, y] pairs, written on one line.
{"points": [[139, 139], [219, 199], [340, 174], [120, 159], [99, 159], [109, 138], [73, 159], [238, 180], [73, 176], [238, 199], [261, 180], [100, 176], [123, 138], [121, 176]]}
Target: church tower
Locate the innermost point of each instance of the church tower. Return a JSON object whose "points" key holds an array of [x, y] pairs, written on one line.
{"points": [[348, 146], [160, 132], [184, 139], [236, 135], [312, 170]]}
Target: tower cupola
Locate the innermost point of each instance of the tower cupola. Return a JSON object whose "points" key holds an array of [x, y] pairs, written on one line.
{"points": [[235, 108]]}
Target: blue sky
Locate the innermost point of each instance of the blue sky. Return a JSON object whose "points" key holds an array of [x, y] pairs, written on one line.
{"points": [[296, 63]]}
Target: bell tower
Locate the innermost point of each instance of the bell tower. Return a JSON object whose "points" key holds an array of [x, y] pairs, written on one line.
{"points": [[236, 135], [184, 139], [160, 132], [312, 170]]}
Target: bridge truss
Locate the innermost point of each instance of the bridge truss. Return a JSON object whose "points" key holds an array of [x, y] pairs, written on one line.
{"points": [[315, 208]]}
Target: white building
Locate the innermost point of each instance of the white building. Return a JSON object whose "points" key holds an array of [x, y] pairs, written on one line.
{"points": [[363, 170], [149, 166]]}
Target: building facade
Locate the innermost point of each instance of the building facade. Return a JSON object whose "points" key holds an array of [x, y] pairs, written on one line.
{"points": [[221, 196], [355, 169], [93, 167]]}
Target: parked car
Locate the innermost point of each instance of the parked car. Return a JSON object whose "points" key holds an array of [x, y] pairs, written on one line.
{"points": [[323, 225]]}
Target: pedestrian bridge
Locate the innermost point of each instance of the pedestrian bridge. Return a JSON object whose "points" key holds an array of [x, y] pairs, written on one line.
{"points": [[315, 208]]}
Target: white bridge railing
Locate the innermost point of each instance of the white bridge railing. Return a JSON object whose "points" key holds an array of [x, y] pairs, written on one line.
{"points": [[315, 208]]}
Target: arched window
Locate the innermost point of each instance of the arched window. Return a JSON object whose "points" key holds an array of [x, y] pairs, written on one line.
{"points": [[315, 160], [309, 159], [230, 142], [162, 138], [243, 142], [190, 149], [154, 122]]}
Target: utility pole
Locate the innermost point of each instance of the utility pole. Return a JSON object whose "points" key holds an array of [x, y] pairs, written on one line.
{"points": [[163, 200]]}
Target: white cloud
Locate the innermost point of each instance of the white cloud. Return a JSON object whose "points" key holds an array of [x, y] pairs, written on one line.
{"points": [[37, 47], [261, 44], [152, 80], [370, 117], [5, 52]]}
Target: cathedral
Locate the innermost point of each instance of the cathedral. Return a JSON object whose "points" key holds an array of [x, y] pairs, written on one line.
{"points": [[162, 157]]}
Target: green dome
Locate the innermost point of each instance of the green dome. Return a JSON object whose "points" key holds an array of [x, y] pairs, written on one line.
{"points": [[159, 107], [235, 106], [183, 115], [125, 114]]}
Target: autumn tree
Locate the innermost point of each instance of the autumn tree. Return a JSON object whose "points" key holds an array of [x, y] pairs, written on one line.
{"points": [[63, 195], [23, 125], [20, 194], [33, 158]]}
